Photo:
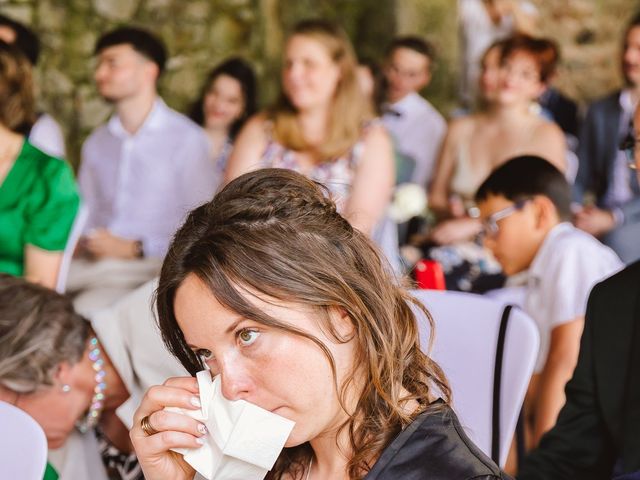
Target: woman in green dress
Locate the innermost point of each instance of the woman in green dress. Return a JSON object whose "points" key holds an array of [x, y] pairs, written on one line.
{"points": [[38, 195]]}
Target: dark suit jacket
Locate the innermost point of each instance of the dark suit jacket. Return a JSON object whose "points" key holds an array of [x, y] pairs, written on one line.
{"points": [[599, 424], [597, 151]]}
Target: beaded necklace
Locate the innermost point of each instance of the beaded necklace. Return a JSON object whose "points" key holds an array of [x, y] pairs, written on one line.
{"points": [[97, 402]]}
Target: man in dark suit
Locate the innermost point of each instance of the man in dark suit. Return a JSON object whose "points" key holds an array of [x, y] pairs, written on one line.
{"points": [[615, 215], [598, 430], [597, 434]]}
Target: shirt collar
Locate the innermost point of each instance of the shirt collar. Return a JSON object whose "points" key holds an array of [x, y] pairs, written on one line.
{"points": [[539, 264], [154, 120], [405, 104], [626, 101]]}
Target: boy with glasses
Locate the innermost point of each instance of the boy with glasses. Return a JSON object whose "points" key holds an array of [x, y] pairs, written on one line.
{"points": [[525, 209]]}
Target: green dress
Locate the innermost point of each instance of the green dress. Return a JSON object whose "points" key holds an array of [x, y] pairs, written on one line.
{"points": [[38, 203], [50, 473]]}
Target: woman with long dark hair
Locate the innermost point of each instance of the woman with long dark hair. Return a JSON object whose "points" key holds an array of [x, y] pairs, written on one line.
{"points": [[227, 100]]}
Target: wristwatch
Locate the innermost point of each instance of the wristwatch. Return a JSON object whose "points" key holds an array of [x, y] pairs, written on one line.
{"points": [[138, 251]]}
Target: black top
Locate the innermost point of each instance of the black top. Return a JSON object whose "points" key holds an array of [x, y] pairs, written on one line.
{"points": [[598, 428], [434, 447]]}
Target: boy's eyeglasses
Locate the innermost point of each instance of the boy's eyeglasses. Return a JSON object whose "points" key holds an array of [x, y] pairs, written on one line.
{"points": [[490, 227], [629, 147]]}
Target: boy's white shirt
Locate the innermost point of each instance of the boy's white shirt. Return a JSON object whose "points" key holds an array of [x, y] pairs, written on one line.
{"points": [[563, 272]]}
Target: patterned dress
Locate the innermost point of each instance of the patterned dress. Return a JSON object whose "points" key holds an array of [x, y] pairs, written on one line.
{"points": [[337, 175]]}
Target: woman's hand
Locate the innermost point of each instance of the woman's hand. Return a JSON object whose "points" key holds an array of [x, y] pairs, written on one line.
{"points": [[455, 230], [174, 430]]}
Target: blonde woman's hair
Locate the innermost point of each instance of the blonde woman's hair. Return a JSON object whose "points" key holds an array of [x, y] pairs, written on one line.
{"points": [[276, 233], [17, 101], [349, 108]]}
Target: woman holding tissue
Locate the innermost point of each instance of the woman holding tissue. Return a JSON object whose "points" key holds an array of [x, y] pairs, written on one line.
{"points": [[293, 310]]}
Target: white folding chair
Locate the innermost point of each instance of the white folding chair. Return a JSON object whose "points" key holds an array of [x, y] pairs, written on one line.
{"points": [[467, 347], [23, 445], [76, 232]]}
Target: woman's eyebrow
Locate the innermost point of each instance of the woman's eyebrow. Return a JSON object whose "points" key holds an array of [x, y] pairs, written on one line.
{"points": [[229, 329], [233, 326]]}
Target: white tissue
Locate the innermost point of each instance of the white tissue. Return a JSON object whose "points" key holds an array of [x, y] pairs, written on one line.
{"points": [[243, 440]]}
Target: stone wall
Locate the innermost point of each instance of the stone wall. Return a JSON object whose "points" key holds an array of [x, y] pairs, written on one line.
{"points": [[199, 33], [589, 33]]}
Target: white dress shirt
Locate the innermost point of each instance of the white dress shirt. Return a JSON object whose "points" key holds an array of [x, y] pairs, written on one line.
{"points": [[418, 130], [46, 134], [568, 264], [141, 186]]}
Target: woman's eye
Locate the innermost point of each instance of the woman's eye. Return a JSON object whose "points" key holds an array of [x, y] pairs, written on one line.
{"points": [[204, 354], [247, 337]]}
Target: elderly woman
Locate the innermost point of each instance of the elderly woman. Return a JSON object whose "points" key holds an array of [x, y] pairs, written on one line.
{"points": [[294, 310], [38, 195], [73, 376]]}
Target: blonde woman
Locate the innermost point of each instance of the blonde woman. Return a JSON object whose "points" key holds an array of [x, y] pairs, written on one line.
{"points": [[322, 126]]}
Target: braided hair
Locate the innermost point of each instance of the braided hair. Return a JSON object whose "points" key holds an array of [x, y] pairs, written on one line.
{"points": [[274, 232]]}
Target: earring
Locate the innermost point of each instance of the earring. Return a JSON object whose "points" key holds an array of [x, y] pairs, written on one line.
{"points": [[66, 388]]}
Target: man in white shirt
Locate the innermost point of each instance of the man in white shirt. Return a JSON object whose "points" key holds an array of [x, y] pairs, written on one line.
{"points": [[418, 129], [140, 174], [525, 205]]}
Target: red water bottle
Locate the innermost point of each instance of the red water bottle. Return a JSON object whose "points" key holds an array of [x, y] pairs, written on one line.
{"points": [[429, 275]]}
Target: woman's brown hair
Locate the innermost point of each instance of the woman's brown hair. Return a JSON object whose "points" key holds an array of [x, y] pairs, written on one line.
{"points": [[274, 232], [349, 109], [17, 102], [544, 52]]}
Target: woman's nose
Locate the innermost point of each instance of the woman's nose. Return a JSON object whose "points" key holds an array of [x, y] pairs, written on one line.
{"points": [[235, 379]]}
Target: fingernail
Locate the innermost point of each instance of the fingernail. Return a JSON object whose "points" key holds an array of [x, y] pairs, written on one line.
{"points": [[195, 401], [201, 440], [202, 428]]}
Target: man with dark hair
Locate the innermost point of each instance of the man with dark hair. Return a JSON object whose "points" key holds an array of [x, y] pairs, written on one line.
{"points": [[525, 207], [603, 174], [140, 173], [140, 40], [596, 435], [417, 127], [45, 133]]}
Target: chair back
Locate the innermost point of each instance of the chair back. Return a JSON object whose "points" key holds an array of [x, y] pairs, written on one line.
{"points": [[74, 236], [23, 445], [488, 355]]}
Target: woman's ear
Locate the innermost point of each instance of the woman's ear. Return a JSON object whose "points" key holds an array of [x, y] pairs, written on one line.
{"points": [[64, 374], [342, 323]]}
